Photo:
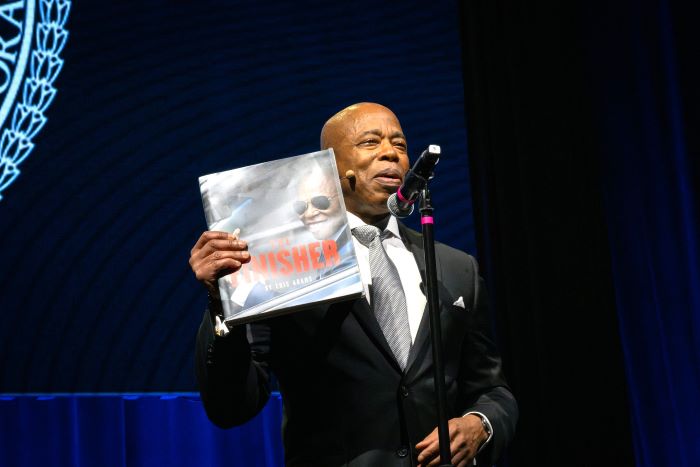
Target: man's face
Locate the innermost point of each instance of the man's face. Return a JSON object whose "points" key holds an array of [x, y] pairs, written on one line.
{"points": [[370, 142], [318, 207]]}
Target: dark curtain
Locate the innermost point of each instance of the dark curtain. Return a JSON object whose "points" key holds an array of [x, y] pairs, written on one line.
{"points": [[647, 95], [581, 119], [134, 431]]}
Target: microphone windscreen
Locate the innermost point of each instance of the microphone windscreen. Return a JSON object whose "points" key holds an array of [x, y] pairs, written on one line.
{"points": [[349, 174], [393, 204]]}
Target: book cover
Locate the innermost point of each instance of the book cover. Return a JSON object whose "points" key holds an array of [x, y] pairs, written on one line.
{"points": [[292, 215]]}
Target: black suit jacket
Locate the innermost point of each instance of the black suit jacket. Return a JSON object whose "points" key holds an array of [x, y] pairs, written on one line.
{"points": [[346, 400]]}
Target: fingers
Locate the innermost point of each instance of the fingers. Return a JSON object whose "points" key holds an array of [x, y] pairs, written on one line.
{"points": [[427, 440], [435, 461], [218, 250], [221, 263], [229, 244], [212, 242], [225, 239], [217, 254], [462, 445], [428, 448], [205, 237]]}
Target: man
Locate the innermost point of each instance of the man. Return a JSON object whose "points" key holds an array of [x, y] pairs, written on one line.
{"points": [[357, 391], [318, 207]]}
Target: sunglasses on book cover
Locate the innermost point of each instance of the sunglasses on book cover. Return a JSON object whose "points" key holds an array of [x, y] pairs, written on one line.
{"points": [[320, 202]]}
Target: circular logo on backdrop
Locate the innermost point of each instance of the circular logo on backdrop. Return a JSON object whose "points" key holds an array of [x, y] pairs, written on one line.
{"points": [[32, 36]]}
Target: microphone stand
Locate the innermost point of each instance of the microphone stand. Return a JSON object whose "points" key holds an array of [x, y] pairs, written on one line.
{"points": [[426, 220]]}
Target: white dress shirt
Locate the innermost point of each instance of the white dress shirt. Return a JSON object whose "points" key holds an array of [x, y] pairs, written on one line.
{"points": [[405, 265], [410, 281]]}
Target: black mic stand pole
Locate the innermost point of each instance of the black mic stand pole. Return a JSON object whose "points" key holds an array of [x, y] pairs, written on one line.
{"points": [[426, 220]]}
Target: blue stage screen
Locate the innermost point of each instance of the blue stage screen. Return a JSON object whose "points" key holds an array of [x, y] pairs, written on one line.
{"points": [[102, 210]]}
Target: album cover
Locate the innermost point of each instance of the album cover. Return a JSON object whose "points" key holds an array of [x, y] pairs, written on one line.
{"points": [[292, 215]]}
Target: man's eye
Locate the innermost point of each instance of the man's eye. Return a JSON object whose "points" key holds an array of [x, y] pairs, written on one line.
{"points": [[368, 142], [400, 144]]}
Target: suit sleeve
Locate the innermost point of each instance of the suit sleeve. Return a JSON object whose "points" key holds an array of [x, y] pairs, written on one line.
{"points": [[483, 387], [232, 372]]}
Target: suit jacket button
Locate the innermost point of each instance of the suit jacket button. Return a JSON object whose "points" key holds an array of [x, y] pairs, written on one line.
{"points": [[404, 391], [402, 452]]}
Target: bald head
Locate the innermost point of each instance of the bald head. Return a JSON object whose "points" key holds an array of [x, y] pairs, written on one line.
{"points": [[367, 139], [337, 126]]}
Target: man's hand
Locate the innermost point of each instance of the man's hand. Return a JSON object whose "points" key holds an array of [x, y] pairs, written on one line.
{"points": [[217, 254], [466, 435]]}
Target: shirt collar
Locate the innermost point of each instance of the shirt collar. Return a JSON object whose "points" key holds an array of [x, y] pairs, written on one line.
{"points": [[391, 226]]}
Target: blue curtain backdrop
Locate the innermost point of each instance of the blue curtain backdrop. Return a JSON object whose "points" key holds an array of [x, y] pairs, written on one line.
{"points": [[134, 431], [645, 68]]}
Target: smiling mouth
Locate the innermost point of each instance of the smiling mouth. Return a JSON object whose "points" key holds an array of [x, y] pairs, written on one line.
{"points": [[316, 220]]}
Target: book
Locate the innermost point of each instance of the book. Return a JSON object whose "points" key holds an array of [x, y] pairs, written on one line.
{"points": [[292, 215]]}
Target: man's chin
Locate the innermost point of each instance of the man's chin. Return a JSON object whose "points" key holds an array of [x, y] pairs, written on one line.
{"points": [[320, 231], [382, 199]]}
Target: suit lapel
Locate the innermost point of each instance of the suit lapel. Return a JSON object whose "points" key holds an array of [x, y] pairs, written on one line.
{"points": [[365, 316]]}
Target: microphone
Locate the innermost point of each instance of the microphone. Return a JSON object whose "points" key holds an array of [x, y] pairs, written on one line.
{"points": [[400, 203], [349, 175]]}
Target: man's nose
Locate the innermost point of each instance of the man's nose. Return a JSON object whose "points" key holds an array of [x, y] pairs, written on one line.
{"points": [[387, 151], [311, 211]]}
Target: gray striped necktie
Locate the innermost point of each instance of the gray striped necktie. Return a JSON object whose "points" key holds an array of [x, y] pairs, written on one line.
{"points": [[388, 299]]}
